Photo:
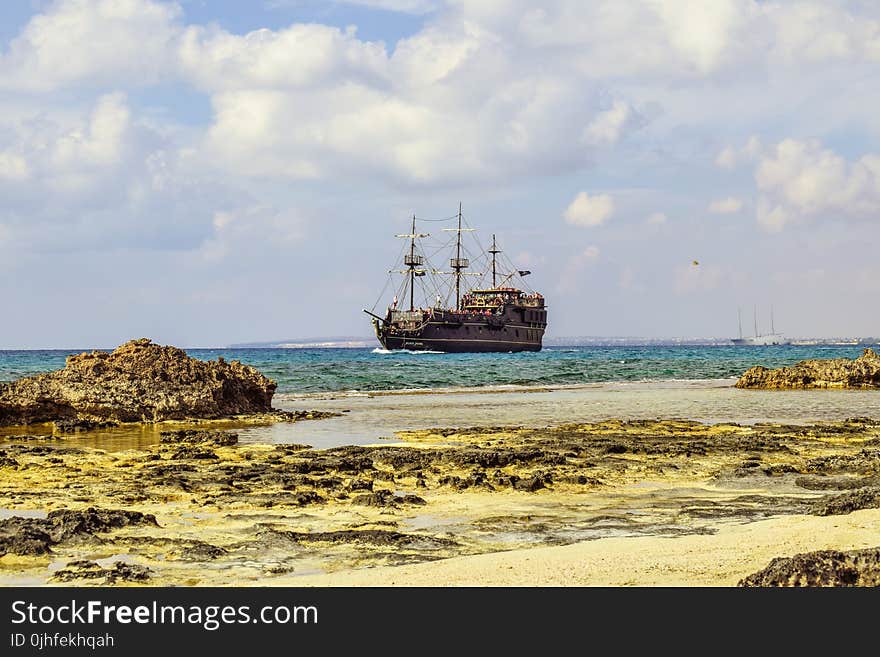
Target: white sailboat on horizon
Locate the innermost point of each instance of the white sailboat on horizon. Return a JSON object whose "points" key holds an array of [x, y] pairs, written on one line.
{"points": [[760, 339]]}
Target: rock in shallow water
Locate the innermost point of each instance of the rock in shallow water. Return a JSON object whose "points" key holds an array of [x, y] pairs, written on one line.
{"points": [[196, 436], [138, 382], [863, 372]]}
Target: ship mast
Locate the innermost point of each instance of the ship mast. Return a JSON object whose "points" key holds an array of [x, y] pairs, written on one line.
{"points": [[494, 250], [458, 263], [755, 315], [412, 266], [413, 261], [740, 317]]}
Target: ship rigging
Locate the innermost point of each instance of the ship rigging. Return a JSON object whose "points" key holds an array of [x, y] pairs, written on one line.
{"points": [[460, 311]]}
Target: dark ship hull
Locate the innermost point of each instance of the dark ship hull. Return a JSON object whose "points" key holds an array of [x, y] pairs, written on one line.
{"points": [[511, 328], [458, 346], [456, 340]]}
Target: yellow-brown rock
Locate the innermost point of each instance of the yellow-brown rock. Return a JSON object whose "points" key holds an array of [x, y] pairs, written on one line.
{"points": [[863, 372], [137, 382]]}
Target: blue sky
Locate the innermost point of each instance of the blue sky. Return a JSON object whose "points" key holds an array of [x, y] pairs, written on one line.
{"points": [[205, 172], [373, 22]]}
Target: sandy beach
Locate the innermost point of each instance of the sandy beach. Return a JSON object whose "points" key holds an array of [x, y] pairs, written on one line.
{"points": [[721, 559]]}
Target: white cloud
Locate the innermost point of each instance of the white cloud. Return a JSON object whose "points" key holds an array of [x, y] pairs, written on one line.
{"points": [[349, 130], [448, 55], [13, 167], [726, 158], [102, 142], [800, 180], [681, 38], [99, 178], [435, 138], [450, 106], [701, 32], [300, 56], [72, 154], [590, 253], [586, 210], [821, 31], [139, 40], [92, 41], [753, 147], [607, 127], [671, 36], [656, 218], [730, 157], [485, 91], [251, 231], [729, 205]]}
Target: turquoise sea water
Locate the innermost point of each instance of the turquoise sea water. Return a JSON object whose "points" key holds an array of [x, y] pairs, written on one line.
{"points": [[336, 370]]}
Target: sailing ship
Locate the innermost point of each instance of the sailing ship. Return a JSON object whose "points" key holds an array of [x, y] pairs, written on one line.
{"points": [[506, 316], [760, 339]]}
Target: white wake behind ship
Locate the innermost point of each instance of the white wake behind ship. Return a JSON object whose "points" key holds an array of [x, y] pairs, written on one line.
{"points": [[760, 339]]}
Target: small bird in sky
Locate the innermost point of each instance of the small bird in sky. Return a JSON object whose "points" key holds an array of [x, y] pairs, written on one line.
{"points": [[695, 263]]}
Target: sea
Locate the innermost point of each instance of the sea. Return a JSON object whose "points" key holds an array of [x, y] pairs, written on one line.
{"points": [[362, 370], [378, 393]]}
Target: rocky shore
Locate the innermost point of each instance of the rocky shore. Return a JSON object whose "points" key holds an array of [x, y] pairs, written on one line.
{"points": [[199, 508], [137, 382], [862, 372]]}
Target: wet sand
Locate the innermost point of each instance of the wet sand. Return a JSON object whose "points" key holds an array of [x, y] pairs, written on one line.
{"points": [[368, 417]]}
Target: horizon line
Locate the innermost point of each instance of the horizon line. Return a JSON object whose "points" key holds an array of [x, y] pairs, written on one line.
{"points": [[571, 341]]}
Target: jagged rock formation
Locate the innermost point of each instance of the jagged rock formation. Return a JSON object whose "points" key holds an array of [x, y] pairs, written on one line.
{"points": [[91, 570], [822, 568], [33, 536], [838, 505], [138, 382], [863, 372]]}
